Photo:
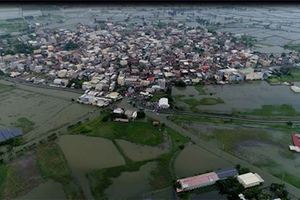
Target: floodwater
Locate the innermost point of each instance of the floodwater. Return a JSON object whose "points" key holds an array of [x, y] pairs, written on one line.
{"points": [[46, 191], [273, 158], [244, 96], [131, 185], [252, 96], [46, 108], [88, 153], [194, 160], [85, 153], [138, 152]]}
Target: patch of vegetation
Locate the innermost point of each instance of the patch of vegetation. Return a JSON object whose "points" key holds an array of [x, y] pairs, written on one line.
{"points": [[248, 40], [3, 175], [13, 183], [53, 165], [229, 138], [101, 179], [193, 103], [289, 178], [285, 75], [274, 110], [6, 88], [200, 89], [25, 124], [137, 131], [294, 47], [211, 101], [70, 45], [14, 25], [180, 84], [161, 176]]}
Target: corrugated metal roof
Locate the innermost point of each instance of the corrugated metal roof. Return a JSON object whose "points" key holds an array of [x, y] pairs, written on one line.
{"points": [[198, 181], [296, 139], [8, 133], [226, 173]]}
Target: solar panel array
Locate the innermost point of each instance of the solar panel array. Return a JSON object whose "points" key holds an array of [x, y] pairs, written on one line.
{"points": [[8, 133]]}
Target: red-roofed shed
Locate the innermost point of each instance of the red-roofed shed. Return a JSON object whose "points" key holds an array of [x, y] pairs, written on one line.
{"points": [[296, 139]]}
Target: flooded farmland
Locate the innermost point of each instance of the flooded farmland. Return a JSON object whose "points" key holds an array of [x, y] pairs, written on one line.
{"points": [[138, 152], [47, 191], [131, 185], [87, 153], [251, 96], [194, 160], [244, 96], [45, 109]]}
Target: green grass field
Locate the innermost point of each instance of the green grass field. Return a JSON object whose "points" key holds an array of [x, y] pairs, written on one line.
{"points": [[138, 131]]}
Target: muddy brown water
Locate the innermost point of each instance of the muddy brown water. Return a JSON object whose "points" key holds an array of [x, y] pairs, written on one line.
{"points": [[193, 160], [85, 153], [46, 191], [131, 185], [46, 108], [88, 153], [244, 96]]}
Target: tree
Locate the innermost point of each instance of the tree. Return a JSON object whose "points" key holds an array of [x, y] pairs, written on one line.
{"points": [[140, 114], [289, 123], [70, 45], [180, 83]]}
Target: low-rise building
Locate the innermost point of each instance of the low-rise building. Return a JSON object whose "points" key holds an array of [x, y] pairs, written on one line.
{"points": [[194, 182], [163, 103], [249, 179]]}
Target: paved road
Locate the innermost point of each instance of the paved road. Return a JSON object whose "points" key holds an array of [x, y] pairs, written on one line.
{"points": [[222, 154]]}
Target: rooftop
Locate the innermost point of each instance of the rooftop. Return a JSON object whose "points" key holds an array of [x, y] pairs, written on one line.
{"points": [[9, 133], [197, 181]]}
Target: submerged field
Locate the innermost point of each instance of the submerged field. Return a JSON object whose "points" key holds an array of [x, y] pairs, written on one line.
{"points": [[264, 147], [36, 110]]}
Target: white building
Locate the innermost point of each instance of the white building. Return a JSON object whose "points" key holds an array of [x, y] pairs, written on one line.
{"points": [[250, 179], [163, 103]]}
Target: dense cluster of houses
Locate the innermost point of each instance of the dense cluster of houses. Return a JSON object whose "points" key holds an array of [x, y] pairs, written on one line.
{"points": [[141, 59]]}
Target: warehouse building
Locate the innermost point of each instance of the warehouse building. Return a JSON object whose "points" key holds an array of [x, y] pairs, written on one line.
{"points": [[194, 182], [250, 179]]}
